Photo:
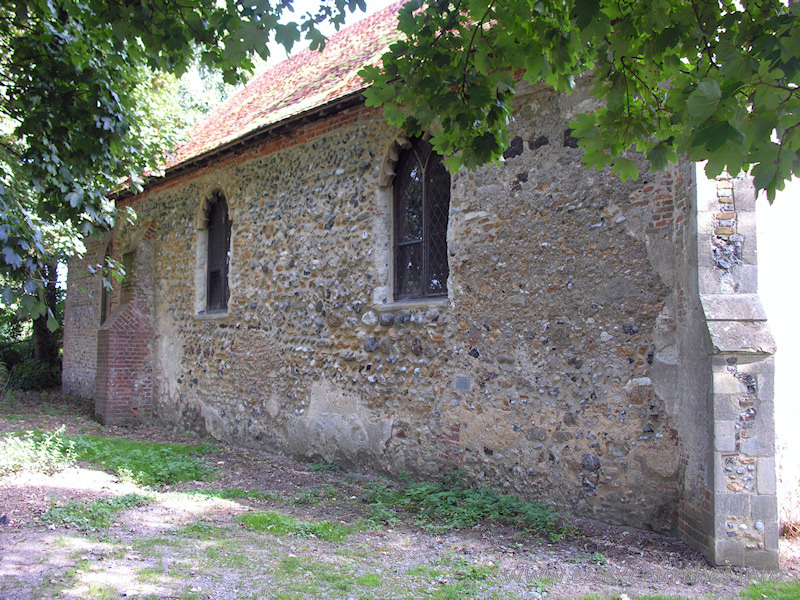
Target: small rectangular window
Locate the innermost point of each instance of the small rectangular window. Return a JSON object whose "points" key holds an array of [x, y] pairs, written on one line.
{"points": [[219, 244]]}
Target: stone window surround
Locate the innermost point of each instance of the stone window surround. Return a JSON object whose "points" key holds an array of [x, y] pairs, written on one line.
{"points": [[201, 253], [383, 234]]}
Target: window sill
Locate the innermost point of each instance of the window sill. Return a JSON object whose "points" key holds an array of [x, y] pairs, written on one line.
{"points": [[412, 304], [211, 315]]}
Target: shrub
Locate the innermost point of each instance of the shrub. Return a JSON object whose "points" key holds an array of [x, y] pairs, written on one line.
{"points": [[45, 452], [34, 375]]}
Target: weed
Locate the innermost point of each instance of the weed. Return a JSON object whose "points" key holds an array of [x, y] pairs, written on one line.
{"points": [[456, 505], [54, 410], [593, 558], [45, 452], [464, 570], [201, 529], [369, 579], [379, 512], [290, 564], [92, 516], [11, 404], [145, 463], [149, 574], [238, 493], [424, 571], [325, 467], [315, 495], [281, 524]]}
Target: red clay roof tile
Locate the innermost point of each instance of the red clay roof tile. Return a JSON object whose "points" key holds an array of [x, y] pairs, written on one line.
{"points": [[305, 81]]}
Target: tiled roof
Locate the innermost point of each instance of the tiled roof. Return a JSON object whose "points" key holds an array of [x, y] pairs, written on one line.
{"points": [[305, 81]]}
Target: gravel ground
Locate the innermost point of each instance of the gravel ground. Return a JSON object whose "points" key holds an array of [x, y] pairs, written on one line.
{"points": [[184, 545]]}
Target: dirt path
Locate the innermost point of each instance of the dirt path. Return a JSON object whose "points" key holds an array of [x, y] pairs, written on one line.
{"points": [[188, 545]]}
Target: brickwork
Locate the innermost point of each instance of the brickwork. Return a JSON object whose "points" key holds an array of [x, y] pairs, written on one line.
{"points": [[124, 386]]}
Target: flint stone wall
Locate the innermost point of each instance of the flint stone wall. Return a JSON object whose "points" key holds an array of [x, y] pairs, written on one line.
{"points": [[551, 370]]}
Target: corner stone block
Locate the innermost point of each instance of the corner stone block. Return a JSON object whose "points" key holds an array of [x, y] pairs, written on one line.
{"points": [[767, 483], [771, 535], [724, 436], [731, 505], [765, 376], [728, 552], [763, 559], [744, 194], [765, 509], [763, 444], [726, 383], [726, 407]]}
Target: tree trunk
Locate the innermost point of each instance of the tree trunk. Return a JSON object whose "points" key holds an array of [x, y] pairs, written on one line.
{"points": [[45, 343]]}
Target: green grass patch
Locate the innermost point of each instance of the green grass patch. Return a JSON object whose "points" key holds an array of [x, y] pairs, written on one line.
{"points": [[44, 452], [325, 467], [146, 463], [450, 502], [202, 529], [93, 515], [772, 590], [238, 494], [283, 525], [316, 494], [369, 580]]}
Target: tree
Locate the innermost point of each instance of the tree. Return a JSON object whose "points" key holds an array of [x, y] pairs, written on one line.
{"points": [[714, 80], [74, 122]]}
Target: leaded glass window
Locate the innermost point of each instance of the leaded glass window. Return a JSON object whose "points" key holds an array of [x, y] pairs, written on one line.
{"points": [[421, 209]]}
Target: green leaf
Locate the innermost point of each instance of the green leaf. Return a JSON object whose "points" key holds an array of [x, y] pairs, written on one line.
{"points": [[625, 168], [714, 136], [703, 101], [661, 155]]}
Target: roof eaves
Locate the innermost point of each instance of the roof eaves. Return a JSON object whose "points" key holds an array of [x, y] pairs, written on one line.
{"points": [[320, 111]]}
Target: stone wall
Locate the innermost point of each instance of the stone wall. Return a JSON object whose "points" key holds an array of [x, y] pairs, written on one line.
{"points": [[82, 310], [568, 363]]}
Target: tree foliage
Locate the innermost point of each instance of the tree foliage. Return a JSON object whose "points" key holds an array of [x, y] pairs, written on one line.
{"points": [[76, 118], [714, 80]]}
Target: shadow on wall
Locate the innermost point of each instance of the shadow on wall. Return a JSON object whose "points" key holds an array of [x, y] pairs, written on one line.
{"points": [[777, 268]]}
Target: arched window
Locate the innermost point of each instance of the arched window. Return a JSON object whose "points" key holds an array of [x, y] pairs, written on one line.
{"points": [[219, 246], [421, 209]]}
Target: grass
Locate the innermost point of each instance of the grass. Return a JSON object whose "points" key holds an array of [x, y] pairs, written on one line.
{"points": [[455, 505], [146, 463], [325, 467], [202, 529], [281, 524], [93, 515], [772, 590], [44, 452], [238, 494], [315, 495]]}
